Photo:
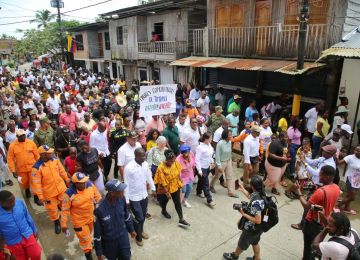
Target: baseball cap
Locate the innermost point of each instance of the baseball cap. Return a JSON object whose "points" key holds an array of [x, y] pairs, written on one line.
{"points": [[236, 97], [20, 132], [45, 149], [133, 134], [184, 148], [44, 120], [115, 185], [79, 177], [255, 128], [329, 149], [346, 128], [342, 109]]}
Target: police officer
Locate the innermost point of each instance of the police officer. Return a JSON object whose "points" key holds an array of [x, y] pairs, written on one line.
{"points": [[113, 222]]}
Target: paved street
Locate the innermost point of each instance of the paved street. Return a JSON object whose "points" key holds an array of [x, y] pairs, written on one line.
{"points": [[212, 232]]}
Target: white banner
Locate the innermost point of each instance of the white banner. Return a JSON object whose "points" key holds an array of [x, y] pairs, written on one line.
{"points": [[157, 100]]}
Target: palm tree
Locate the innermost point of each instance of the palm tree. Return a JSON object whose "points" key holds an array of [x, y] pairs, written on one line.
{"points": [[43, 17]]}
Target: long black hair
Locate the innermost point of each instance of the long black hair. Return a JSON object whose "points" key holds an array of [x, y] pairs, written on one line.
{"points": [[341, 222]]}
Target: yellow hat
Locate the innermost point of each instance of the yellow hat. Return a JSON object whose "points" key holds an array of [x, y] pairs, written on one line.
{"points": [[79, 177], [20, 132], [45, 149]]}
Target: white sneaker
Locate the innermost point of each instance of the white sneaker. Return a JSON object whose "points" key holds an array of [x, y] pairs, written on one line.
{"points": [[186, 204]]}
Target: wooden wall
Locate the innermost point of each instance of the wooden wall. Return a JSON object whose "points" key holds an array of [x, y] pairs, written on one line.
{"points": [[84, 54]]}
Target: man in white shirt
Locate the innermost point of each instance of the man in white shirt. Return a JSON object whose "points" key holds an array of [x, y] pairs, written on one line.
{"points": [[181, 125], [125, 153], [10, 135], [194, 96], [114, 87], [220, 98], [191, 136], [137, 176], [251, 154], [342, 238], [217, 134], [99, 141], [53, 105], [203, 104], [310, 120]]}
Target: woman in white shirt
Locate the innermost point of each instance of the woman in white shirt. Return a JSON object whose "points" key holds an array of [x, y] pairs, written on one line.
{"points": [[203, 160], [352, 177], [265, 138]]}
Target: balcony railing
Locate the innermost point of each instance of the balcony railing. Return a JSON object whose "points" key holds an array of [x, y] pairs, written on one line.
{"points": [[264, 41], [165, 47]]}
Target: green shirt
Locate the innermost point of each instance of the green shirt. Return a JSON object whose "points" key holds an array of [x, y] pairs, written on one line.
{"points": [[172, 136], [223, 152], [214, 122], [42, 137], [233, 106]]}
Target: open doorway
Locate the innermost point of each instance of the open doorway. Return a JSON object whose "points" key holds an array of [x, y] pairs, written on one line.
{"points": [[159, 30]]}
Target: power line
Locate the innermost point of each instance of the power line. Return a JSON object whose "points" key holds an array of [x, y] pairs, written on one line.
{"points": [[27, 21], [15, 17], [18, 6], [84, 7]]}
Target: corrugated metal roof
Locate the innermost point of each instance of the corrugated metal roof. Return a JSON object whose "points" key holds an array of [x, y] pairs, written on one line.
{"points": [[282, 66]]}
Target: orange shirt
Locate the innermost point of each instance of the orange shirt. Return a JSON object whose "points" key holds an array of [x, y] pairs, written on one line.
{"points": [[48, 178], [168, 177], [79, 205], [22, 156], [192, 112]]}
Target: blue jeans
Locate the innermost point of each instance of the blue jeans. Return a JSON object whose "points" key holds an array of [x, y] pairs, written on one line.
{"points": [[204, 182], [186, 189], [316, 145], [293, 150], [139, 209]]}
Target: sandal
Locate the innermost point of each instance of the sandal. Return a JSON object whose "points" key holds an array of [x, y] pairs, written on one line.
{"points": [[275, 191], [284, 184], [350, 211], [296, 226]]}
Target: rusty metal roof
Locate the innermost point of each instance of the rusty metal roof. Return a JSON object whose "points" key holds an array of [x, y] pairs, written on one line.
{"points": [[282, 66]]}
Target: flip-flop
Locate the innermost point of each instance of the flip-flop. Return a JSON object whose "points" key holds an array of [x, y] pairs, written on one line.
{"points": [[295, 226], [336, 210], [350, 212]]}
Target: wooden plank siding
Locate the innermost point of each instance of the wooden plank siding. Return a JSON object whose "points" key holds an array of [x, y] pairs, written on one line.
{"points": [[267, 28]]}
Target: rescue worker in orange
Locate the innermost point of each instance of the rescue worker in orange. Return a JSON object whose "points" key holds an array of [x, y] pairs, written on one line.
{"points": [[79, 202], [49, 181], [21, 157]]}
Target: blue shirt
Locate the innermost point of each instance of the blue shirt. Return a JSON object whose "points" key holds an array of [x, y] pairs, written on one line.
{"points": [[16, 224], [112, 222], [249, 113]]}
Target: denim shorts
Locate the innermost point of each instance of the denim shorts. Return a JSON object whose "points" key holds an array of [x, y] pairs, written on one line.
{"points": [[249, 237], [349, 188]]}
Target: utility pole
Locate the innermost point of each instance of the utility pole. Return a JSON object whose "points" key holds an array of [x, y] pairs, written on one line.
{"points": [[303, 20], [59, 4]]}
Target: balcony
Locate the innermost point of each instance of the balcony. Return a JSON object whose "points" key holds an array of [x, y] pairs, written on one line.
{"points": [[278, 41], [162, 50]]}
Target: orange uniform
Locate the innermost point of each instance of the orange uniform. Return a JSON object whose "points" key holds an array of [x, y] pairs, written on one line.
{"points": [[21, 158], [192, 112], [48, 183], [80, 206]]}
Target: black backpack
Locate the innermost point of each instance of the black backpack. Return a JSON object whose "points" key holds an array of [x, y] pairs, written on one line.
{"points": [[354, 249], [269, 214]]}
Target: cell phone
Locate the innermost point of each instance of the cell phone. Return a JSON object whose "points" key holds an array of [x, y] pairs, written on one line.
{"points": [[316, 208]]}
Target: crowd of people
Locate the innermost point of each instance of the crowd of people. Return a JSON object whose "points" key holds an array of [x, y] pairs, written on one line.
{"points": [[76, 142]]}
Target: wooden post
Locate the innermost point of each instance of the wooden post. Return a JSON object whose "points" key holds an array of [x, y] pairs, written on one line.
{"points": [[206, 42]]}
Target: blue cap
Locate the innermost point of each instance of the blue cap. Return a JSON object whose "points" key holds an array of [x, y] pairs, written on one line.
{"points": [[115, 185], [184, 148]]}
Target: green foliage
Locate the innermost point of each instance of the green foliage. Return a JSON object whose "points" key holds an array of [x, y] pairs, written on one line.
{"points": [[43, 17], [4, 36], [36, 42]]}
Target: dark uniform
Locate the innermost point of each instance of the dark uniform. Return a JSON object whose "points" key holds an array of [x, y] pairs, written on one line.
{"points": [[112, 224], [117, 139]]}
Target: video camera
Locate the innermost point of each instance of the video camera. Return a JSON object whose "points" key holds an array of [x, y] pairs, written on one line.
{"points": [[243, 205]]}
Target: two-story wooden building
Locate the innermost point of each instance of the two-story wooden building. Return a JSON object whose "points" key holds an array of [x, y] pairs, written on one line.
{"points": [[93, 47], [253, 44], [136, 55]]}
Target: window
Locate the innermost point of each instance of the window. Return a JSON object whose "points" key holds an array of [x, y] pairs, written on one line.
{"points": [[119, 35], [107, 40], [79, 42]]}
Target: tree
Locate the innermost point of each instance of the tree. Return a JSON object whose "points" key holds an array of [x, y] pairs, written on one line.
{"points": [[4, 36], [43, 17]]}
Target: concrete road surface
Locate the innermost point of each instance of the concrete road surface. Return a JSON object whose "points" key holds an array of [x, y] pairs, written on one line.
{"points": [[212, 232]]}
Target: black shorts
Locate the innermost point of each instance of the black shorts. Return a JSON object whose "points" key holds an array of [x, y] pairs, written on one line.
{"points": [[249, 237]]}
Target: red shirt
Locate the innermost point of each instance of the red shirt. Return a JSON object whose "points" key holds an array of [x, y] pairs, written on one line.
{"points": [[332, 194], [70, 164], [68, 120], [86, 137]]}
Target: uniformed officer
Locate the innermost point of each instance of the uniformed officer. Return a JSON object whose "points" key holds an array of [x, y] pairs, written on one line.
{"points": [[112, 224]]}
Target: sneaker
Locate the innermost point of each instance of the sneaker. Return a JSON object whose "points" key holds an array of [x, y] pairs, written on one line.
{"points": [[230, 256], [183, 223], [233, 195], [187, 204], [211, 204], [166, 214], [212, 189], [145, 235], [27, 193], [148, 216], [57, 227], [200, 195], [9, 183], [139, 243]]}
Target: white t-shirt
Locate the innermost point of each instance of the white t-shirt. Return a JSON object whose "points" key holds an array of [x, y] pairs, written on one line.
{"points": [[353, 170], [217, 134], [203, 104], [311, 117], [10, 137], [265, 136], [54, 105], [126, 153], [181, 129], [220, 99], [336, 251], [191, 138]]}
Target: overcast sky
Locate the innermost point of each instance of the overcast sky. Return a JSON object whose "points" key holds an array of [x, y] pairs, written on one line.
{"points": [[24, 10]]}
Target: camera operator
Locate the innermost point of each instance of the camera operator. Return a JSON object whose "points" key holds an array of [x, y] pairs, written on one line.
{"points": [[251, 212], [325, 199]]}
